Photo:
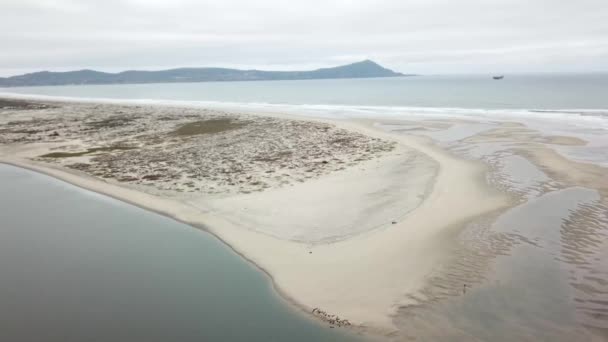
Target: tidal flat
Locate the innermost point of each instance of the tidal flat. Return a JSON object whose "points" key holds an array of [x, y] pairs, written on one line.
{"points": [[393, 225]]}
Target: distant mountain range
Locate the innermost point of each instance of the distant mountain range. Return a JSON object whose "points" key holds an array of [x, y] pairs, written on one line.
{"points": [[362, 69]]}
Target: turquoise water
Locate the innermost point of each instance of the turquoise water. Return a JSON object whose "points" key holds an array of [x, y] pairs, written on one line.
{"points": [[78, 266]]}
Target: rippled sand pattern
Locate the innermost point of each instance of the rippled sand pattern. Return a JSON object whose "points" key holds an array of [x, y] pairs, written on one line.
{"points": [[584, 247], [538, 271]]}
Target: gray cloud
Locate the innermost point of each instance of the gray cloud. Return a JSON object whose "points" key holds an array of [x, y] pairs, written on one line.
{"points": [[420, 36]]}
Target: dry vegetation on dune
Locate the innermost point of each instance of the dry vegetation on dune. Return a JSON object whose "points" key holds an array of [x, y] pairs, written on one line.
{"points": [[10, 104], [183, 150]]}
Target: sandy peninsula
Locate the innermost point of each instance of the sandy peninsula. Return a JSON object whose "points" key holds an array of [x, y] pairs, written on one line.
{"points": [[348, 219]]}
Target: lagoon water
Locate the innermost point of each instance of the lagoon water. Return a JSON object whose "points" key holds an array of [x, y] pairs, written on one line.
{"points": [[78, 266]]}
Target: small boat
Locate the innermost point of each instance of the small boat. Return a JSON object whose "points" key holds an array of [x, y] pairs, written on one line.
{"points": [[498, 77]]}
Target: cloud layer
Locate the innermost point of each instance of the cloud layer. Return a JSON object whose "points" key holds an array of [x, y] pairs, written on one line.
{"points": [[417, 36]]}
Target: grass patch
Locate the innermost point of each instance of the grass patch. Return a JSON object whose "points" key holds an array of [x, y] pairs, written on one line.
{"points": [[341, 141], [273, 157], [111, 122], [21, 104], [88, 151], [210, 126], [24, 131]]}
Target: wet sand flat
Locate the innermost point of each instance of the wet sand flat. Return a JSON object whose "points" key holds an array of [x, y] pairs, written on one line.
{"points": [[368, 221]]}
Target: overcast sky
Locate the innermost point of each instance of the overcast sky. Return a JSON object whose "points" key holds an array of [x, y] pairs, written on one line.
{"points": [[417, 36]]}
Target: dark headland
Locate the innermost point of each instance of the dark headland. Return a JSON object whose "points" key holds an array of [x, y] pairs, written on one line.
{"points": [[363, 69]]}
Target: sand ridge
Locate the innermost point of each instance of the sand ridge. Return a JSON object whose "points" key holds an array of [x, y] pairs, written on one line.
{"points": [[364, 277]]}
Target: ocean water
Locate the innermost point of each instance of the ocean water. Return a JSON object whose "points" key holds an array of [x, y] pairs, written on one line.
{"points": [[555, 104], [524, 92], [77, 266]]}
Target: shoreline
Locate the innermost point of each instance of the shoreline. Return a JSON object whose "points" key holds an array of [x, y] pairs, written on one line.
{"points": [[64, 176], [456, 179]]}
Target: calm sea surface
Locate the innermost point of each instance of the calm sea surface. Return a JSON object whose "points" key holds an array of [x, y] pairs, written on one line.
{"points": [[78, 266], [472, 92]]}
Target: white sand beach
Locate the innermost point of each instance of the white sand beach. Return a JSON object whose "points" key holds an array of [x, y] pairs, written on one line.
{"points": [[357, 241]]}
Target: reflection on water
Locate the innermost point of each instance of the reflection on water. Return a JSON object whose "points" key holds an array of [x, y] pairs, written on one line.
{"points": [[584, 248], [538, 272], [548, 278], [517, 175], [77, 266]]}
